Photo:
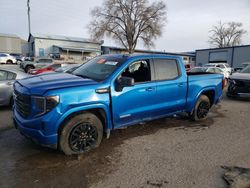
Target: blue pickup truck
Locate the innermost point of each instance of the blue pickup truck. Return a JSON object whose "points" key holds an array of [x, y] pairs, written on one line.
{"points": [[72, 112]]}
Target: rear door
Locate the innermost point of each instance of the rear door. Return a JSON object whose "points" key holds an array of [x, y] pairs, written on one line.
{"points": [[134, 104], [43, 62], [171, 87]]}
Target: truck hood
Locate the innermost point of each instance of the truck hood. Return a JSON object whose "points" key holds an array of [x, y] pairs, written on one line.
{"points": [[38, 85], [240, 76]]}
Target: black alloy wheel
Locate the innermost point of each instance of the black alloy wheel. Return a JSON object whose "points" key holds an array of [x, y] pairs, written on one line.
{"points": [[80, 133], [83, 137], [203, 109]]}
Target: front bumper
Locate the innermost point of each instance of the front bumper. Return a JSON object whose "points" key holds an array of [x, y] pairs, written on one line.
{"points": [[238, 91], [39, 136], [239, 95]]}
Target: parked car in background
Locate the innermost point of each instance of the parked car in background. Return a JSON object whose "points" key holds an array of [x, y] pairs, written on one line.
{"points": [[72, 112], [7, 77], [243, 65], [212, 70], [55, 55], [224, 66], [28, 59], [46, 69], [7, 59], [19, 57], [239, 84], [68, 68], [36, 64]]}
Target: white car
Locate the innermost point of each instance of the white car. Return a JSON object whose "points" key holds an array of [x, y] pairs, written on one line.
{"points": [[224, 66], [212, 70], [7, 59]]}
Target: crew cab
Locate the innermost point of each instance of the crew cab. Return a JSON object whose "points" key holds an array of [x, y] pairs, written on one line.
{"points": [[73, 112]]}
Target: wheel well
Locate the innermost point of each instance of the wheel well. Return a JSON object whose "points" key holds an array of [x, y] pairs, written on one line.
{"points": [[100, 113], [210, 94], [9, 60], [30, 66]]}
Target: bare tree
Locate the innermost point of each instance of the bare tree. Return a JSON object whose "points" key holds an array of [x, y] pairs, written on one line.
{"points": [[128, 21], [226, 34]]}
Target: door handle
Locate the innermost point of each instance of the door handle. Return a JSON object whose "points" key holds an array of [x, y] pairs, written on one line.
{"points": [[149, 89], [181, 85]]}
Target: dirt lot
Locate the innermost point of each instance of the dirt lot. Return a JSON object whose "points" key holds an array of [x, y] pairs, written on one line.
{"points": [[173, 152]]}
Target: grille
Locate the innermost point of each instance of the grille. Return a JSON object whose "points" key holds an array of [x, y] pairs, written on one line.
{"points": [[23, 104]]}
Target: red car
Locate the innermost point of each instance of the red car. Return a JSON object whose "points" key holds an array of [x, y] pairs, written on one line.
{"points": [[46, 69]]}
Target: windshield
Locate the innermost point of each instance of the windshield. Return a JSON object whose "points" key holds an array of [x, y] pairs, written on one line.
{"points": [[246, 70], [65, 68], [200, 69], [100, 67]]}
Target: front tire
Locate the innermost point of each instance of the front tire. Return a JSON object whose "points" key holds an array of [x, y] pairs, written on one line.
{"points": [[80, 134], [9, 62], [201, 109]]}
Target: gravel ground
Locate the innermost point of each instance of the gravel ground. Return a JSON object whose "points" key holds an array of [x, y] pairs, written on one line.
{"points": [[170, 152]]}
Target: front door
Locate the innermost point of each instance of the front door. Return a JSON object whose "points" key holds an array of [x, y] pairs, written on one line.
{"points": [[134, 104]]}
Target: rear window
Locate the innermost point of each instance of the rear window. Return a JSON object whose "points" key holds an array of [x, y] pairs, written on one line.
{"points": [[166, 69], [3, 55]]}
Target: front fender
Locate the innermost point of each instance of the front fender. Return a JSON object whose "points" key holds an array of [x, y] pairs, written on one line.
{"points": [[85, 108]]}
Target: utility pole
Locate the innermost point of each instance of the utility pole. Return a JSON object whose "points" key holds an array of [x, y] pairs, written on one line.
{"points": [[28, 6]]}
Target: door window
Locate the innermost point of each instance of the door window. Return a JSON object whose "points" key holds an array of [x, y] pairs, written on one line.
{"points": [[166, 69], [139, 70], [45, 61], [11, 76], [3, 75]]}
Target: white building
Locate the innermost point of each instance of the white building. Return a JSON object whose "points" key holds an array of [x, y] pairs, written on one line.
{"points": [[69, 48], [10, 44]]}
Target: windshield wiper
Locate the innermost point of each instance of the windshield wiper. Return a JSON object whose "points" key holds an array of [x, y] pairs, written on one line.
{"points": [[83, 76]]}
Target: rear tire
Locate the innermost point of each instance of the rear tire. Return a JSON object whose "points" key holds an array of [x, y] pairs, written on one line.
{"points": [[201, 109], [81, 133]]}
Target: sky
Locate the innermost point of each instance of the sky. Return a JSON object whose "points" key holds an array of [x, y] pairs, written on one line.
{"points": [[187, 28]]}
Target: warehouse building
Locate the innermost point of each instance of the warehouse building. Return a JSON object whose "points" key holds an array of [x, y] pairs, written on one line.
{"points": [[62, 47], [234, 56], [10, 44], [188, 58]]}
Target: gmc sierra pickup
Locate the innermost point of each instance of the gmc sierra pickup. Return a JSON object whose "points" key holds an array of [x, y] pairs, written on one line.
{"points": [[73, 112]]}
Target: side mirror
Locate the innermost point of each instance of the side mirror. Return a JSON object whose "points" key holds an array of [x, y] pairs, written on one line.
{"points": [[124, 82]]}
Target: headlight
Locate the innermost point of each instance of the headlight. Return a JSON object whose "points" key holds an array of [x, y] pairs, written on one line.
{"points": [[42, 105]]}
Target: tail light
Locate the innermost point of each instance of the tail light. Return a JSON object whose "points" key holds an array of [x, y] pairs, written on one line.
{"points": [[224, 83]]}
